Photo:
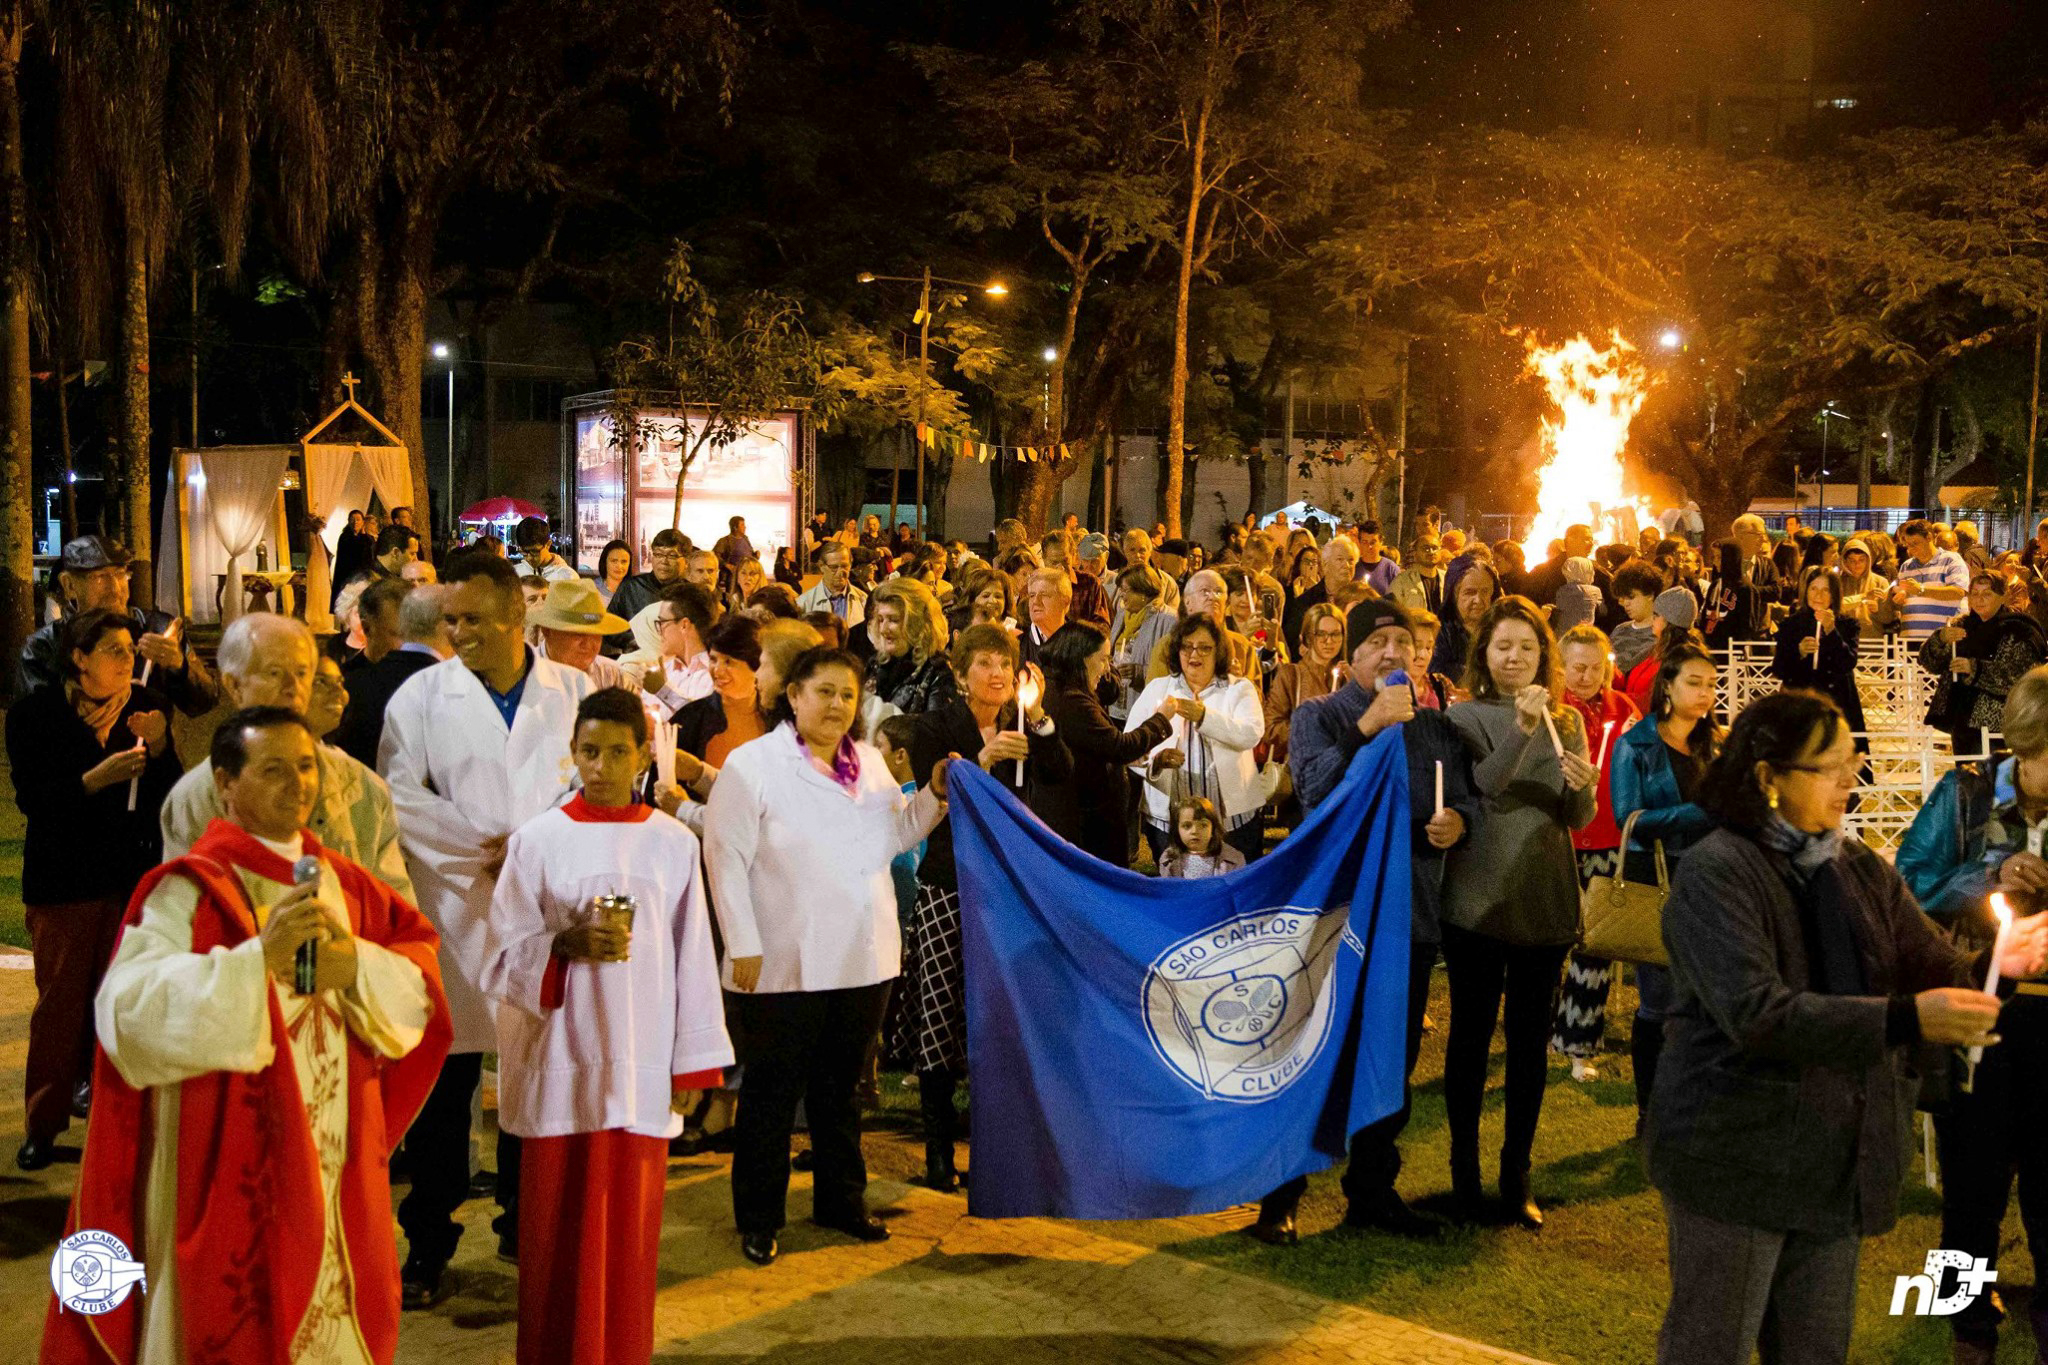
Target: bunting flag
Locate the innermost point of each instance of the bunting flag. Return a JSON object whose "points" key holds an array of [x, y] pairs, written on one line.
{"points": [[967, 448]]}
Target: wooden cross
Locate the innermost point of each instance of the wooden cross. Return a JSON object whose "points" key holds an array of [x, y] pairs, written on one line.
{"points": [[349, 382]]}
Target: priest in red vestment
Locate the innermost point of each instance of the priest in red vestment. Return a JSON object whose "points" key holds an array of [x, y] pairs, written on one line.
{"points": [[240, 1128]]}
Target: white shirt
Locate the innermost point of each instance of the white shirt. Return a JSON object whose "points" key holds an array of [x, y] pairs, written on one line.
{"points": [[800, 866], [1233, 722], [604, 1055], [557, 570], [459, 781]]}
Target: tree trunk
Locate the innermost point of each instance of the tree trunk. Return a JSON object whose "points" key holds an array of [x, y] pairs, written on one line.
{"points": [[1258, 465], [391, 315], [938, 480], [132, 394], [17, 541], [1177, 383]]}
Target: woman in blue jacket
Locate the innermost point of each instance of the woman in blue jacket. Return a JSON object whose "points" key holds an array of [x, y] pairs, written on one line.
{"points": [[1657, 767], [1975, 834]]}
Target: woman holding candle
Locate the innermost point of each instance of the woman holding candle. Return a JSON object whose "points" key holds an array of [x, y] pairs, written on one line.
{"points": [[985, 723], [1803, 974], [1817, 648], [1655, 774], [1977, 833], [1091, 811], [1141, 622], [1319, 671], [1511, 890], [1581, 1018], [1217, 720], [1978, 657]]}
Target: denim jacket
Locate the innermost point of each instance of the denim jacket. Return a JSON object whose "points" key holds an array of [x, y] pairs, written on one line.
{"points": [[1967, 826], [1640, 779]]}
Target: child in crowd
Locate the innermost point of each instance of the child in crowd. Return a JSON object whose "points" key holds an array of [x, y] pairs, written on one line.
{"points": [[1578, 601], [892, 738], [1635, 592], [1198, 849]]}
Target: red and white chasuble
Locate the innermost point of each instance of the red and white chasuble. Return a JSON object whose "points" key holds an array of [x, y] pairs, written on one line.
{"points": [[588, 1054], [251, 1177]]}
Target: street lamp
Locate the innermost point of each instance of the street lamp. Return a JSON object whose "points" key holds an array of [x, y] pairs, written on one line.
{"points": [[442, 351], [1671, 339], [1827, 410], [995, 289]]}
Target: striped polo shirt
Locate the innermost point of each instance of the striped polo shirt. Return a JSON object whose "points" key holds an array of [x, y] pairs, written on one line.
{"points": [[1925, 615]]}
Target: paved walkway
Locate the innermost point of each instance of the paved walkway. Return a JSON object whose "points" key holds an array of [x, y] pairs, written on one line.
{"points": [[947, 1288]]}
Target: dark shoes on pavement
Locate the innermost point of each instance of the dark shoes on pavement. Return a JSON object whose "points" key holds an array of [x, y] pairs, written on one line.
{"points": [[422, 1283], [759, 1247], [861, 1226], [1275, 1232], [35, 1154], [1386, 1211]]}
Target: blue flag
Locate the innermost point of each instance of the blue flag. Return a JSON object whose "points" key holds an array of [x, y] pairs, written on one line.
{"points": [[1146, 1048]]}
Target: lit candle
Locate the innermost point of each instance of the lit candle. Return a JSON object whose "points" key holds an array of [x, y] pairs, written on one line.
{"points": [[1606, 730], [1439, 786], [1027, 697], [2004, 913]]}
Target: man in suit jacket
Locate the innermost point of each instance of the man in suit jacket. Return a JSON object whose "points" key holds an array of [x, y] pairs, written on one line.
{"points": [[422, 643]]}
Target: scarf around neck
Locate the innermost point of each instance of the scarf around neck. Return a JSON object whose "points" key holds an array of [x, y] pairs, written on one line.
{"points": [[1807, 853], [98, 715]]}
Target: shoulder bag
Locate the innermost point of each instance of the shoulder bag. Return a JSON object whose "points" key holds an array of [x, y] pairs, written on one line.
{"points": [[1621, 920]]}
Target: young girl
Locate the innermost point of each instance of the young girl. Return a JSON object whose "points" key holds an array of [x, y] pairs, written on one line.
{"points": [[1197, 849]]}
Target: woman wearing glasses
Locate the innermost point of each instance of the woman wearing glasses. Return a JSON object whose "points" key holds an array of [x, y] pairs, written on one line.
{"points": [[1217, 719]]}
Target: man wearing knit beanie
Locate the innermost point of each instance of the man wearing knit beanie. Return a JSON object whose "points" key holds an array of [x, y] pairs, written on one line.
{"points": [[1327, 732]]}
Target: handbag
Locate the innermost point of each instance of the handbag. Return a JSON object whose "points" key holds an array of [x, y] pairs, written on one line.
{"points": [[1621, 920]]}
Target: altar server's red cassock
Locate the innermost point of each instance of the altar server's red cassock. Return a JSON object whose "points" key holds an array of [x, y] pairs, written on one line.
{"points": [[588, 1054], [240, 1133]]}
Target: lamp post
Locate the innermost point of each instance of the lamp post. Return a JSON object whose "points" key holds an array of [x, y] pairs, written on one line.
{"points": [[442, 352], [1827, 410], [994, 289]]}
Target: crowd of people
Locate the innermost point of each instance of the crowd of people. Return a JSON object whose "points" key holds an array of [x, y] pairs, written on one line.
{"points": [[679, 834]]}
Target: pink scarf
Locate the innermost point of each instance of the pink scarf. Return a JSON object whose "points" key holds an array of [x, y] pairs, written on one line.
{"points": [[99, 715]]}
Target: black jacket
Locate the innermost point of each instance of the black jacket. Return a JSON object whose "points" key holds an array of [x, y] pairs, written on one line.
{"points": [[192, 689], [81, 845], [1778, 1106], [370, 690], [635, 591], [951, 730], [1830, 669], [1089, 812]]}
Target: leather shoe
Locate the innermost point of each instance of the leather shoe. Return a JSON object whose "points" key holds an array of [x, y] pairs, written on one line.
{"points": [[422, 1283], [1517, 1202], [81, 1099], [1278, 1232], [1386, 1211], [35, 1153], [759, 1247], [862, 1227]]}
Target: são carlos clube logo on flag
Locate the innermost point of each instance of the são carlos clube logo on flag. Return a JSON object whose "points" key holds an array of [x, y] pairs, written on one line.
{"points": [[1148, 1047], [1240, 1011]]}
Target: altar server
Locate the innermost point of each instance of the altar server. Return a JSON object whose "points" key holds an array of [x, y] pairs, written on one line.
{"points": [[610, 1019], [239, 1125], [473, 748]]}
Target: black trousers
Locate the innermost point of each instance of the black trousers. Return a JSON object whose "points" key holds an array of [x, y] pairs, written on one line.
{"points": [[437, 1154], [1995, 1134], [1375, 1149], [808, 1046], [1483, 970]]}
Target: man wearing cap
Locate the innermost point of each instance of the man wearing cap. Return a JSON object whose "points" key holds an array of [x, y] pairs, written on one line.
{"points": [[93, 574], [665, 566], [1326, 732], [1091, 600], [537, 555], [271, 660], [573, 623]]}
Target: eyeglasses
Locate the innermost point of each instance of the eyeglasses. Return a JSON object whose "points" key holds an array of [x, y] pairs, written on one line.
{"points": [[667, 556], [1198, 651], [1329, 632], [1841, 774]]}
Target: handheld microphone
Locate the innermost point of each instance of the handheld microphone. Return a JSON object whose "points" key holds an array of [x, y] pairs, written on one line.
{"points": [[306, 965], [1398, 678]]}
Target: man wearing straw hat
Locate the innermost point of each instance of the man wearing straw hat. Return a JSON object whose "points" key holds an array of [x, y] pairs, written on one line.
{"points": [[573, 624]]}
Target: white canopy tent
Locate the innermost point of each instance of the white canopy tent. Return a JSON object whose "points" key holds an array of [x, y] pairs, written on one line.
{"points": [[1297, 512], [226, 501]]}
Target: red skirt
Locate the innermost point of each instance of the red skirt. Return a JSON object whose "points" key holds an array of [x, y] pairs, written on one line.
{"points": [[589, 1237]]}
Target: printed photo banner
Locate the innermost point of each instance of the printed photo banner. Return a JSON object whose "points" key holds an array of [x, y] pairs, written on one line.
{"points": [[966, 447]]}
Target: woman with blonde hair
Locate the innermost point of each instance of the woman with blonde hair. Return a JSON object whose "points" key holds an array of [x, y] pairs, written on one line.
{"points": [[909, 670], [1511, 890], [1319, 671]]}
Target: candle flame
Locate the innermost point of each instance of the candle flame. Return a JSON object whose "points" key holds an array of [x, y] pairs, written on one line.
{"points": [[2001, 908], [1596, 393], [1027, 690]]}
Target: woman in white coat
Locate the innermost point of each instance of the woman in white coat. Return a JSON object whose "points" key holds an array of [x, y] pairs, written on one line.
{"points": [[1217, 721], [798, 836]]}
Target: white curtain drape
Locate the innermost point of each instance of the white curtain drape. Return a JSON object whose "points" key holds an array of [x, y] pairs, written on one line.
{"points": [[241, 503], [337, 482], [391, 475]]}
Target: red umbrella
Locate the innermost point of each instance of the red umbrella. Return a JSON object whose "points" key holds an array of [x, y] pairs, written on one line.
{"points": [[500, 509]]}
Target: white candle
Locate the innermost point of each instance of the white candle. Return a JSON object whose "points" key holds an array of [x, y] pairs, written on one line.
{"points": [[1606, 730], [170, 633], [1439, 786], [1027, 696], [2004, 913], [1551, 726], [665, 753], [135, 782]]}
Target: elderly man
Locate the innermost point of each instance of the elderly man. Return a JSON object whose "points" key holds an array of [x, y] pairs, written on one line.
{"points": [[422, 642], [377, 613], [572, 622], [93, 574], [1207, 594], [1091, 598], [701, 567], [834, 591], [271, 660], [1138, 550], [474, 747], [638, 591], [1339, 561], [1047, 595]]}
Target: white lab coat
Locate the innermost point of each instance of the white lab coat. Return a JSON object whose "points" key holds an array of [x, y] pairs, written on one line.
{"points": [[800, 867], [605, 1055], [458, 779]]}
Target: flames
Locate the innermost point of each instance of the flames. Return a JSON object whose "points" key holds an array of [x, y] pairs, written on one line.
{"points": [[1596, 393]]}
